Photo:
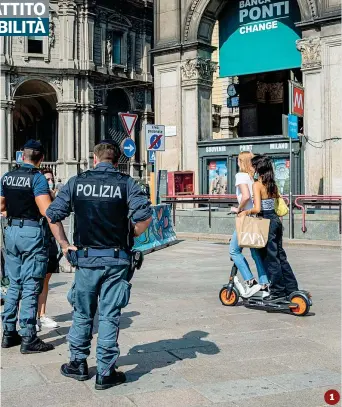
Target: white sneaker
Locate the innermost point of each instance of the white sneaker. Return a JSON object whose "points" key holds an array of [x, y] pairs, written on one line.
{"points": [[251, 290], [47, 322]]}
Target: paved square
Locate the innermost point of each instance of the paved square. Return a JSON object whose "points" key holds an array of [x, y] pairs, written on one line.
{"points": [[180, 347]]}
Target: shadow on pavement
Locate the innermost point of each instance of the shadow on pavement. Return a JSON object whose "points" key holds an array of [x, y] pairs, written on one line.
{"points": [[57, 284], [190, 345], [61, 332]]}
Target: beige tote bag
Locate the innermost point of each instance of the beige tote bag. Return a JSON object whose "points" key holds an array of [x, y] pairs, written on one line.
{"points": [[252, 232]]}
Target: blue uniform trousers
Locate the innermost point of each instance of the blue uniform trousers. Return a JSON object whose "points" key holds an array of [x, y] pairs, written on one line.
{"points": [[108, 286], [26, 266]]}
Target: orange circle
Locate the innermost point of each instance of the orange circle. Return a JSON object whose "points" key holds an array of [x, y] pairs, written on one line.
{"points": [[301, 305], [230, 300]]}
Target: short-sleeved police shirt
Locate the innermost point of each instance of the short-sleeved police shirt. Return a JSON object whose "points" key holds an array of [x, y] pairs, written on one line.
{"points": [[137, 201], [40, 185]]}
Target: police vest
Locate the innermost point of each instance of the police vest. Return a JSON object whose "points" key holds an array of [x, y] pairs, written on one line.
{"points": [[17, 187], [99, 200]]}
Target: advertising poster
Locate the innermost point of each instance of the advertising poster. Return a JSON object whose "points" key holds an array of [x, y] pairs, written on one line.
{"points": [[217, 178], [282, 174]]}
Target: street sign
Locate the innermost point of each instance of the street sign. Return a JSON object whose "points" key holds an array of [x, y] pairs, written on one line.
{"points": [[128, 121], [155, 137], [298, 101], [151, 156], [293, 126], [129, 147], [19, 157]]}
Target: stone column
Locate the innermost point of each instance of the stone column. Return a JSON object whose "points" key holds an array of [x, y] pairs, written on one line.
{"points": [[103, 44], [3, 131], [124, 57], [197, 76], [3, 49], [66, 132], [89, 39], [133, 59], [310, 49], [67, 15], [103, 118], [10, 141]]}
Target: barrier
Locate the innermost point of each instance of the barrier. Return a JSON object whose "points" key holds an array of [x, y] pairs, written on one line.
{"points": [[160, 233], [298, 201]]}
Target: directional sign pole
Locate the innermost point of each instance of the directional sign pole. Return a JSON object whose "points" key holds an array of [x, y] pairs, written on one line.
{"points": [[155, 178], [290, 195]]}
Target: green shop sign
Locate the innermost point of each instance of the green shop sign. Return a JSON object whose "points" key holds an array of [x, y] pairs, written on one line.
{"points": [[258, 36]]}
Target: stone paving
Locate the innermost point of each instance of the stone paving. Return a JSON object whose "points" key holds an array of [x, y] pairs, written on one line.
{"points": [[180, 347]]}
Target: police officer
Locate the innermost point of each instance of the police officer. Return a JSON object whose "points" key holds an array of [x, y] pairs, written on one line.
{"points": [[24, 197], [105, 203]]}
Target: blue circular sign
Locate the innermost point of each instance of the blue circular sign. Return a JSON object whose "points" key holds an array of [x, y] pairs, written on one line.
{"points": [[158, 143], [129, 148]]}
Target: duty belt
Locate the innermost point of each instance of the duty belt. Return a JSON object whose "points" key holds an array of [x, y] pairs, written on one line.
{"points": [[25, 222], [112, 252]]}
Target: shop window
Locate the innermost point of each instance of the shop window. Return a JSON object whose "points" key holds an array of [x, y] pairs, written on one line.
{"points": [[35, 45], [117, 44], [217, 177], [263, 99]]}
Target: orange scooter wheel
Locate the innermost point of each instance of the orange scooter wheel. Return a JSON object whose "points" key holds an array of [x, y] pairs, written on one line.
{"points": [[233, 298], [302, 307]]}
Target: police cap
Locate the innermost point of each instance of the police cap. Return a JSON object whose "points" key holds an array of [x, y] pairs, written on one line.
{"points": [[34, 145]]}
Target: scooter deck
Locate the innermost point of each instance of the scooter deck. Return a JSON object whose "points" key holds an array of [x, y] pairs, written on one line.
{"points": [[281, 306]]}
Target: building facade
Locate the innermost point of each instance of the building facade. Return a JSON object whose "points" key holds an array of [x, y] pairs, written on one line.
{"points": [[66, 90], [196, 71]]}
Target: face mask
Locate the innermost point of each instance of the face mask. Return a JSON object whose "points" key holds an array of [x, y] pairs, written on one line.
{"points": [[51, 185], [256, 176]]}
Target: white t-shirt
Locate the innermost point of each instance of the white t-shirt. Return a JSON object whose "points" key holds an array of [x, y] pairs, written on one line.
{"points": [[244, 178]]}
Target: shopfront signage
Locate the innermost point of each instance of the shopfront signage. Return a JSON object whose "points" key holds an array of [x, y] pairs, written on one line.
{"points": [[258, 36], [298, 101], [216, 149], [245, 147], [292, 126], [279, 146]]}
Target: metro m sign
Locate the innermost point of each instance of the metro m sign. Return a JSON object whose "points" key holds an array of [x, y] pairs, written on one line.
{"points": [[298, 101]]}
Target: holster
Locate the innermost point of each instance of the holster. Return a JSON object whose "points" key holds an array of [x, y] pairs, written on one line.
{"points": [[136, 263]]}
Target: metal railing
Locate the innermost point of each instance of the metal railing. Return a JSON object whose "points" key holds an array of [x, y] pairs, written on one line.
{"points": [[301, 202]]}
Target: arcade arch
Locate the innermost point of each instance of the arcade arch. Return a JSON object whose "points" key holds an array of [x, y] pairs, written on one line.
{"points": [[35, 117]]}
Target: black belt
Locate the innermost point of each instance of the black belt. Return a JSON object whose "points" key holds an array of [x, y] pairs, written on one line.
{"points": [[25, 222], [116, 253]]}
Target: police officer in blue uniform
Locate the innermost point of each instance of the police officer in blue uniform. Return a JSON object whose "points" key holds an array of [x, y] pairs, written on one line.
{"points": [[106, 204], [24, 198]]}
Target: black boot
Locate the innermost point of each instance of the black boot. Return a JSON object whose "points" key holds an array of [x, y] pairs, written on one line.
{"points": [[10, 339], [33, 344], [105, 382], [76, 369]]}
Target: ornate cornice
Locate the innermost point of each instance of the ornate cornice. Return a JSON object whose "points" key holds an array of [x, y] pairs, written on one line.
{"points": [[310, 49]]}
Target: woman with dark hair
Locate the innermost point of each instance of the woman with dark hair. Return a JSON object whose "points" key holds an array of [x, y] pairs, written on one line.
{"points": [[265, 192], [53, 266]]}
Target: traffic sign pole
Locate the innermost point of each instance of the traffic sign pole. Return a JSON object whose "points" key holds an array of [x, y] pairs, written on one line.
{"points": [[290, 193], [156, 179]]}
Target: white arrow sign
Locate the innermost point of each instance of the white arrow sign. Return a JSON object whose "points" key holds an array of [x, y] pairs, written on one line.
{"points": [[130, 148]]}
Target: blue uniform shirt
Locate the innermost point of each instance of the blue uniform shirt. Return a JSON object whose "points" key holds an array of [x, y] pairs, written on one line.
{"points": [[137, 201], [40, 185]]}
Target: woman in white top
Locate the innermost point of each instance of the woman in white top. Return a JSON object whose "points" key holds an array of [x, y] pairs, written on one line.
{"points": [[244, 191]]}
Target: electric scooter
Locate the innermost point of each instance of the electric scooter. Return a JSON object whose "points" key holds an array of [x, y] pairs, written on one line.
{"points": [[298, 302]]}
